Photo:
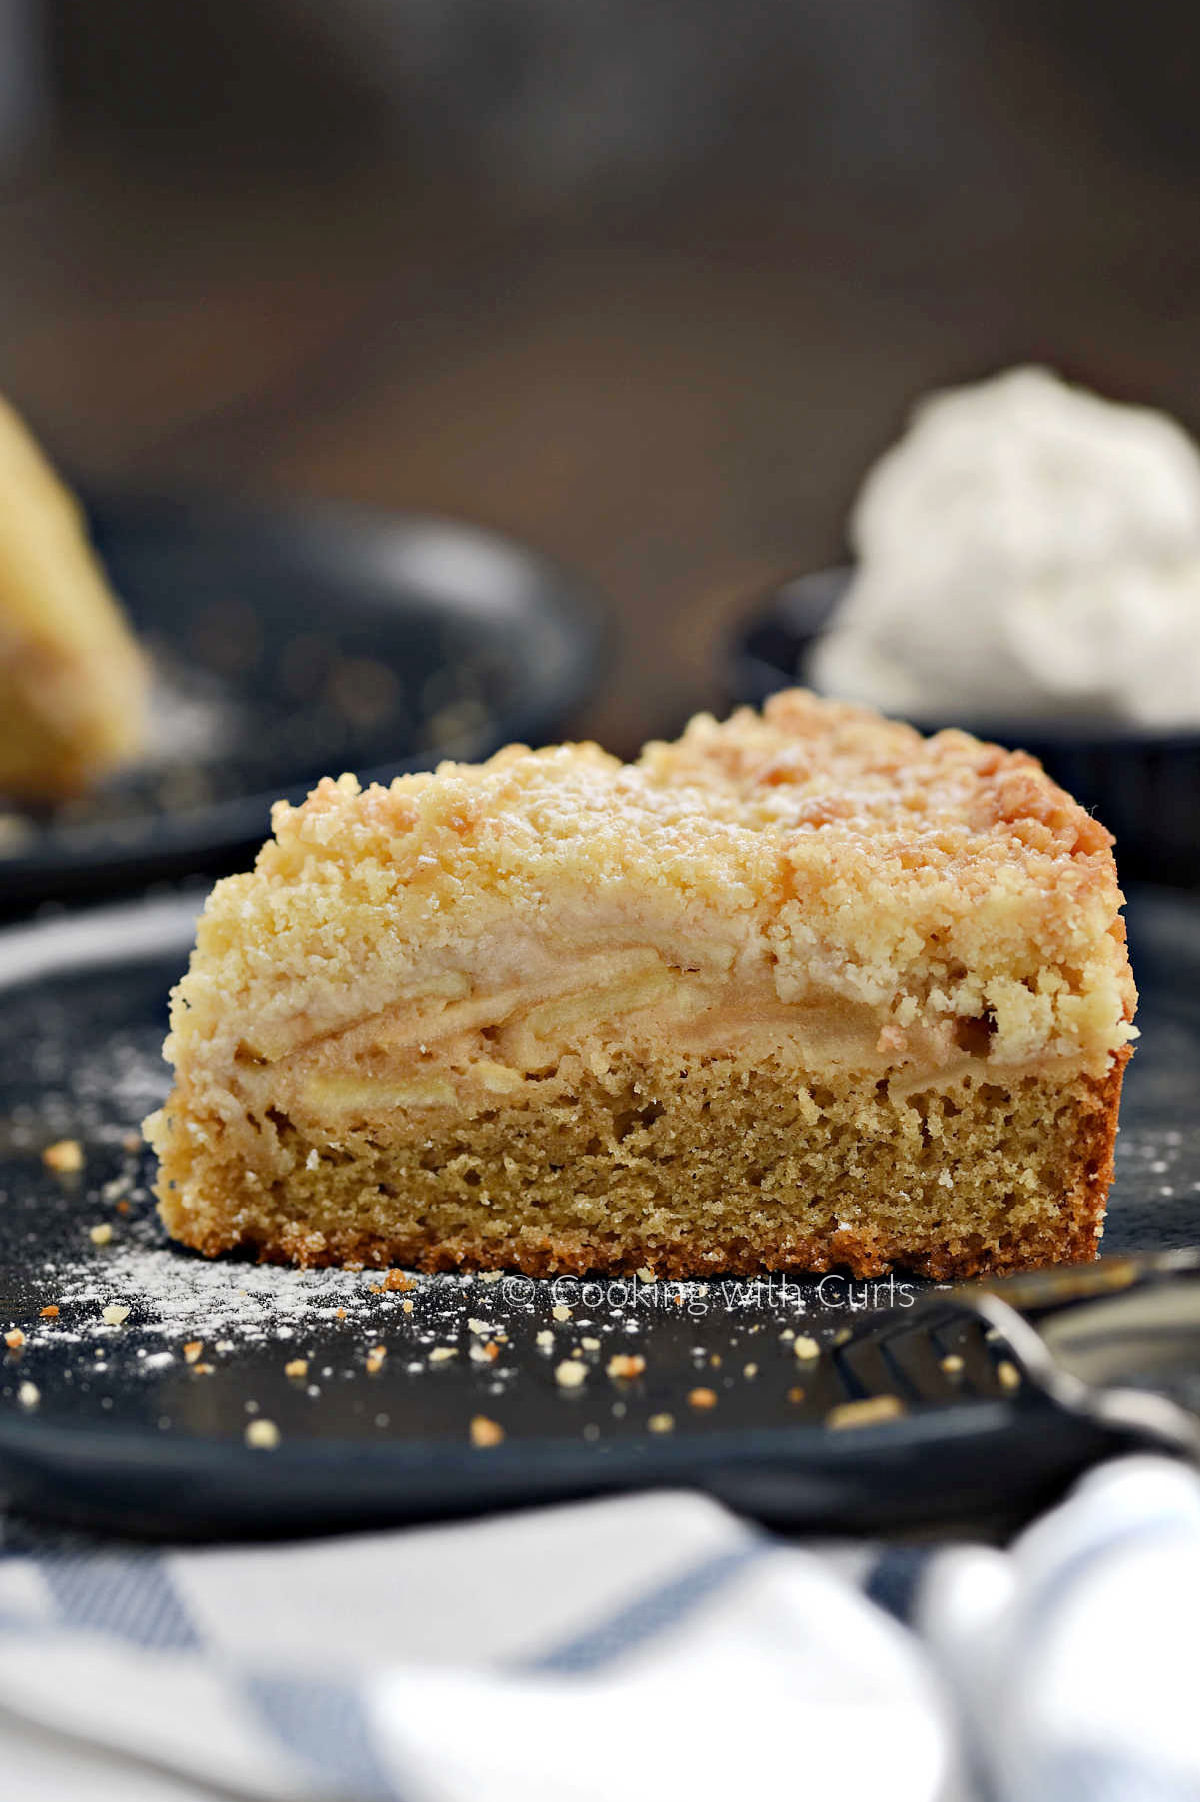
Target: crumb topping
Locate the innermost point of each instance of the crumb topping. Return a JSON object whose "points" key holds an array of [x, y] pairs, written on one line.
{"points": [[929, 900]]}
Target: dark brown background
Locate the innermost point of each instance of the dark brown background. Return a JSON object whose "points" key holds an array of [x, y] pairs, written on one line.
{"points": [[647, 285]]}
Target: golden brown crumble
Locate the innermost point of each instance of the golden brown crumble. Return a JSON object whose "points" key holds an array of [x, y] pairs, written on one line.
{"points": [[870, 1411], [262, 1435], [66, 1157]]}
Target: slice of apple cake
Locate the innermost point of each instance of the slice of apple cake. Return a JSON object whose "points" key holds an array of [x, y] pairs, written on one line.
{"points": [[72, 680], [802, 990]]}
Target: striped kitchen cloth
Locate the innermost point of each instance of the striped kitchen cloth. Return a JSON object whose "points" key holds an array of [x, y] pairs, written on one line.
{"points": [[649, 1647]]}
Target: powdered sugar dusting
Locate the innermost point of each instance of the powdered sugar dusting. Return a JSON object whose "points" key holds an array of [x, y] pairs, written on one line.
{"points": [[175, 1293]]}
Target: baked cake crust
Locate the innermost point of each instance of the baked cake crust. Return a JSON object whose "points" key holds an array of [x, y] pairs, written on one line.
{"points": [[800, 990]]}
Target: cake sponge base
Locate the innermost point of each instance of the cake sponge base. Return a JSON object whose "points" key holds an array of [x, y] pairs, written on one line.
{"points": [[714, 1169]]}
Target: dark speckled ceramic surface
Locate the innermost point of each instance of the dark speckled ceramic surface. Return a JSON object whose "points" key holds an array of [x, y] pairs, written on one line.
{"points": [[142, 1421]]}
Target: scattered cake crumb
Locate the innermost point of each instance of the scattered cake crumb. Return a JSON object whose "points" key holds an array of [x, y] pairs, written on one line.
{"points": [[115, 1314], [440, 1353], [14, 1339], [296, 1367], [29, 1395], [561, 1311], [407, 1306], [750, 1370], [625, 1364], [485, 1353], [192, 1350], [702, 1398], [545, 1338], [375, 1358], [485, 1431], [646, 1275], [50, 1313], [805, 1346], [398, 1282], [1008, 1374], [262, 1435], [661, 1423], [101, 1234], [66, 1156], [867, 1412], [795, 1393], [490, 1276], [590, 1344], [952, 1364], [570, 1373]]}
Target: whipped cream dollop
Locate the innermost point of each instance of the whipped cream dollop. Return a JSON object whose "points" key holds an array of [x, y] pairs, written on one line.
{"points": [[1026, 549]]}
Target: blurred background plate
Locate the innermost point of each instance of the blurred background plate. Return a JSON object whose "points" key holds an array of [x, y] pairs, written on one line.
{"points": [[295, 641], [1142, 785]]}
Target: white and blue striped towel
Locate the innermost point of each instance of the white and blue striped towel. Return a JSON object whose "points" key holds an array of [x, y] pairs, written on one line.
{"points": [[651, 1647]]}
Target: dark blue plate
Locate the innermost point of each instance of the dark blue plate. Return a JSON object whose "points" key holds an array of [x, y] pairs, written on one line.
{"points": [[138, 1426], [1144, 786], [295, 641]]}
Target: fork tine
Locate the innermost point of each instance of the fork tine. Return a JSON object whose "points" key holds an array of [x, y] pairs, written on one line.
{"points": [[918, 1355], [868, 1370], [968, 1340]]}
